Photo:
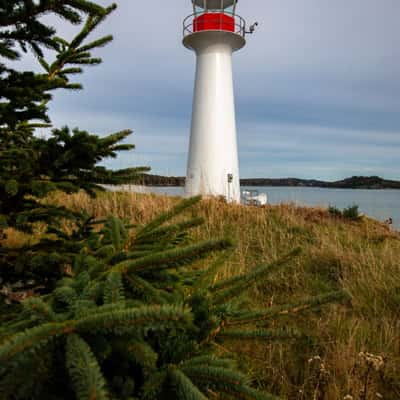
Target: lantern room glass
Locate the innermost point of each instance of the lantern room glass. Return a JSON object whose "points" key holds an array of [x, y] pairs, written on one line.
{"points": [[230, 10], [212, 6]]}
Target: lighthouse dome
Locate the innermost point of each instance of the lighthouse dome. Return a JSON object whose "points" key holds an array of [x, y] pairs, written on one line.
{"points": [[214, 4]]}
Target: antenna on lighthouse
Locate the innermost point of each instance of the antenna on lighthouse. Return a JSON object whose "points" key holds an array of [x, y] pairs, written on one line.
{"points": [[214, 31], [252, 28]]}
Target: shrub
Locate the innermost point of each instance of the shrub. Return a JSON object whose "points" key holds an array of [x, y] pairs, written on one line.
{"points": [[334, 211], [351, 212]]}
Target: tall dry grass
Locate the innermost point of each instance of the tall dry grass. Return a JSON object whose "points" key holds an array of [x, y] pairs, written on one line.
{"points": [[351, 350]]}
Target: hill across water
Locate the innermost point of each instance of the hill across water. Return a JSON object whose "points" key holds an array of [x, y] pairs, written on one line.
{"points": [[355, 182]]}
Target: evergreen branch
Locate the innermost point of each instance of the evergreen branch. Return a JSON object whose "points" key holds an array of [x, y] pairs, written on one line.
{"points": [[115, 233], [91, 23], [87, 7], [44, 64], [82, 307], [146, 289], [74, 54], [85, 61], [26, 16], [112, 140], [225, 381], [172, 258], [8, 330], [22, 16], [70, 53], [183, 387], [164, 217], [244, 318], [117, 322], [230, 288], [143, 354], [8, 53], [70, 71], [97, 43], [66, 295], [227, 376], [86, 376], [153, 386], [69, 14], [149, 248], [61, 41], [32, 339], [113, 289], [139, 320], [38, 309], [132, 255], [158, 234], [107, 309], [258, 334]]}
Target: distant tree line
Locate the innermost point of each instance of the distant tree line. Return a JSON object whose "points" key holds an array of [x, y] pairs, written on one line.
{"points": [[355, 182], [158, 180]]}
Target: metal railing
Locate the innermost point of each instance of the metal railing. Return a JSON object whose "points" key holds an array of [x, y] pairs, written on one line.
{"points": [[239, 26]]}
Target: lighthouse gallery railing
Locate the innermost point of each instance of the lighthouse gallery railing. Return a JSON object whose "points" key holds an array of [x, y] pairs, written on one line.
{"points": [[219, 23]]}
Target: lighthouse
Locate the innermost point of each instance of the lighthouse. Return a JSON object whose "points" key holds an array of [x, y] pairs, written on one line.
{"points": [[214, 31]]}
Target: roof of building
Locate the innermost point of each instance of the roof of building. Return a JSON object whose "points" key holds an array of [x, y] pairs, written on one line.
{"points": [[214, 4]]}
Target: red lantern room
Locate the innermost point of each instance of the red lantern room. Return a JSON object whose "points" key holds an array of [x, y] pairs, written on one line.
{"points": [[215, 15]]}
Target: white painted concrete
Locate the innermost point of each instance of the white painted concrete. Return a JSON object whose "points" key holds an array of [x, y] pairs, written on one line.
{"points": [[213, 155]]}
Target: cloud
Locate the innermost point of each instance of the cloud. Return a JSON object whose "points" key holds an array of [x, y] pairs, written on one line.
{"points": [[317, 87], [316, 151]]}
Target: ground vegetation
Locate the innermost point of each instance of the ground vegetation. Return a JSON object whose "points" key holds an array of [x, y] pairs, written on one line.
{"points": [[353, 348]]}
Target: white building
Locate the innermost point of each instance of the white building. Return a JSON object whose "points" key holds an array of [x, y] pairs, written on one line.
{"points": [[214, 31]]}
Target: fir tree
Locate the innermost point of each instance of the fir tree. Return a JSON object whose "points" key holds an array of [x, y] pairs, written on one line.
{"points": [[31, 167], [25, 94]]}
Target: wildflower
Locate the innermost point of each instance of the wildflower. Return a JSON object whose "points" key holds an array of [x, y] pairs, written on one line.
{"points": [[372, 360]]}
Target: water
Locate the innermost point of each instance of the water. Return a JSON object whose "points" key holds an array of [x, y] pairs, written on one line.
{"points": [[379, 204]]}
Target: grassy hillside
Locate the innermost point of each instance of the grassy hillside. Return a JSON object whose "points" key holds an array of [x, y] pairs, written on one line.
{"points": [[350, 350]]}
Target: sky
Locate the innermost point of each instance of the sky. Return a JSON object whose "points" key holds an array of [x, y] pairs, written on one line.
{"points": [[317, 88]]}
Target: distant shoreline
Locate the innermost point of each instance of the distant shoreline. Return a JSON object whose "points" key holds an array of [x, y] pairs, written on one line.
{"points": [[355, 182]]}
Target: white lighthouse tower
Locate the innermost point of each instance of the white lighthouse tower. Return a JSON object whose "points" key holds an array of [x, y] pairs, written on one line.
{"points": [[214, 31]]}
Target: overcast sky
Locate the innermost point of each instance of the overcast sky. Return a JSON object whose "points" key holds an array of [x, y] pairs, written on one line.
{"points": [[317, 88]]}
